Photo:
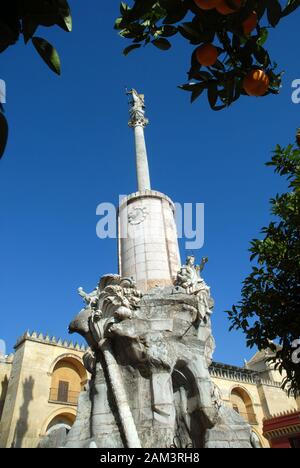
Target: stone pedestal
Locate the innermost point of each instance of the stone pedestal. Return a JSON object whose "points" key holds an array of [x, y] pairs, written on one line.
{"points": [[151, 387]]}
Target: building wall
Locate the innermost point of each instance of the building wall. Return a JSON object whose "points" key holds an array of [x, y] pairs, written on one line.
{"points": [[246, 389], [40, 363], [27, 410], [5, 370], [264, 368], [227, 386], [275, 400]]}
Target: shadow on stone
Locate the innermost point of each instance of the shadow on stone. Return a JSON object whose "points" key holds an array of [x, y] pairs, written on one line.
{"points": [[22, 423], [4, 386]]}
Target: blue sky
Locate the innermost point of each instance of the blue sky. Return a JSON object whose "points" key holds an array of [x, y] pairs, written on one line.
{"points": [[70, 149]]}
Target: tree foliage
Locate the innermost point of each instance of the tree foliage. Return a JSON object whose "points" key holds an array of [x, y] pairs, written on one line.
{"points": [[22, 18], [156, 22], [270, 307]]}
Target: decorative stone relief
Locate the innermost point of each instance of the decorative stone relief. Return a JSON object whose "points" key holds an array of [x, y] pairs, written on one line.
{"points": [[137, 111], [137, 215]]}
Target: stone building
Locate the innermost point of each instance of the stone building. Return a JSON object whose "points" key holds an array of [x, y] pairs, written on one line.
{"points": [[40, 385], [41, 382]]}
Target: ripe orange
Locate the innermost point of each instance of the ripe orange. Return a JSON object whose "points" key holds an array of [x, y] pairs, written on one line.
{"points": [[224, 9], [207, 4], [250, 23], [256, 83], [207, 55]]}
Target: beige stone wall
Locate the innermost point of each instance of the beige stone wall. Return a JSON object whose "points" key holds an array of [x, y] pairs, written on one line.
{"points": [[227, 386], [265, 369], [27, 411], [266, 399], [275, 400], [5, 371]]}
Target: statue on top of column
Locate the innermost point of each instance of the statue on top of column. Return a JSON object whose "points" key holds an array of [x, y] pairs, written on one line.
{"points": [[137, 111]]}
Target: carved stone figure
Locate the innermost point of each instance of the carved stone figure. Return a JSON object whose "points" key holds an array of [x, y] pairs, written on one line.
{"points": [[138, 101], [91, 299], [189, 279], [189, 276], [137, 110]]}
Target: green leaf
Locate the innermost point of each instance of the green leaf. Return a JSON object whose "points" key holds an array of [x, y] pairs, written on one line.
{"points": [[3, 134], [64, 12], [188, 86], [48, 54], [130, 49], [124, 8], [8, 35], [162, 43], [68, 22], [263, 36], [119, 23], [212, 93], [196, 93], [291, 7], [195, 88], [168, 30], [176, 11], [190, 31], [262, 56], [30, 25], [274, 12]]}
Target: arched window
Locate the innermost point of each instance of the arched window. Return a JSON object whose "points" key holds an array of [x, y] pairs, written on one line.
{"points": [[65, 420], [68, 379], [241, 402]]}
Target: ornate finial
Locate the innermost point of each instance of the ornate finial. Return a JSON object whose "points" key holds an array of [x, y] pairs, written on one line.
{"points": [[137, 110]]}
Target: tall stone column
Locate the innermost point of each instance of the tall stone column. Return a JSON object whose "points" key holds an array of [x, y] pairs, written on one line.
{"points": [[148, 244], [138, 122]]}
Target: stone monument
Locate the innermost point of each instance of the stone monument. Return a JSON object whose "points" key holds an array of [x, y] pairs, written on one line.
{"points": [[150, 338]]}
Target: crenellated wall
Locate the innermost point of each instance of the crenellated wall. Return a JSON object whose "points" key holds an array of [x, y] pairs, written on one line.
{"points": [[28, 409]]}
